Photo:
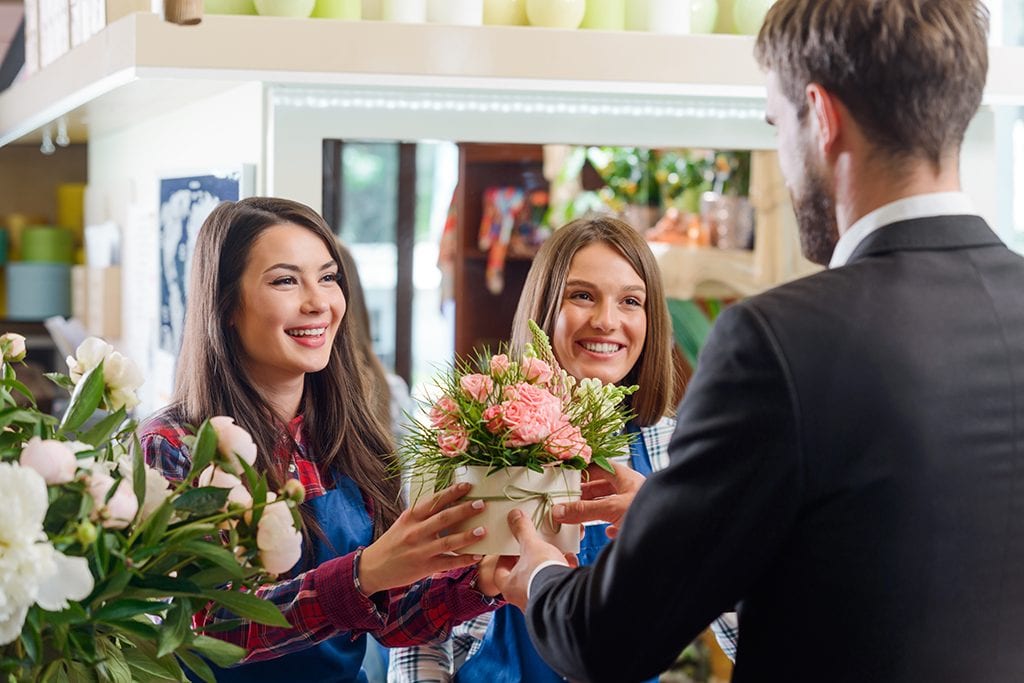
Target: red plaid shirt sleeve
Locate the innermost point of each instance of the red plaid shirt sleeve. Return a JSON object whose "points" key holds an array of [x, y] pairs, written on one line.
{"points": [[324, 602]]}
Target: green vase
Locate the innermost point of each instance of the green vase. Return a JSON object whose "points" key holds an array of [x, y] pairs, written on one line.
{"points": [[229, 7], [703, 14], [556, 13], [605, 15], [338, 9]]}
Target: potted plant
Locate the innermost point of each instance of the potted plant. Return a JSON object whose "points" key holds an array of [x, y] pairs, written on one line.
{"points": [[523, 432]]}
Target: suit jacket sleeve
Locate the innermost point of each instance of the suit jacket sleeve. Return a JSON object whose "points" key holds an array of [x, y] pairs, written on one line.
{"points": [[699, 533]]}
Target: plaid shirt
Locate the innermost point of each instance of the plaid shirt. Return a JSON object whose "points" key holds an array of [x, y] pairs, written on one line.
{"points": [[324, 602], [437, 663]]}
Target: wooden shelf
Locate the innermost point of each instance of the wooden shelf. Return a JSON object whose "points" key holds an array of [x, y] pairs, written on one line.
{"points": [[140, 66]]}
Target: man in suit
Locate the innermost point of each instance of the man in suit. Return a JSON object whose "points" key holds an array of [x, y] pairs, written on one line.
{"points": [[848, 465]]}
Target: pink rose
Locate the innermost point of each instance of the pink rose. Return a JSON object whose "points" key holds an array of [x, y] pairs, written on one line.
{"points": [[445, 413], [499, 365], [538, 399], [53, 460], [528, 431], [536, 371], [478, 387], [493, 418], [567, 442], [453, 442]]}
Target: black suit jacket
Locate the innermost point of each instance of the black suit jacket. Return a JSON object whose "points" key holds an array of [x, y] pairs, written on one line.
{"points": [[848, 467]]}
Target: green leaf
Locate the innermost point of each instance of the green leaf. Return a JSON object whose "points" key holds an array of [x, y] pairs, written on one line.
{"points": [[74, 614], [175, 628], [125, 609], [219, 652], [85, 399], [248, 606], [15, 385], [204, 448], [143, 660], [142, 629], [214, 553], [138, 474], [202, 501], [101, 432], [198, 666], [61, 380], [109, 587], [113, 663], [31, 640], [156, 524], [165, 586]]}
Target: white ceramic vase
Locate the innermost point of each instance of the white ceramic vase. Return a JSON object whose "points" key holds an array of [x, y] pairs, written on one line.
{"points": [[505, 12], [556, 13], [457, 12], [532, 492], [405, 11], [668, 16]]}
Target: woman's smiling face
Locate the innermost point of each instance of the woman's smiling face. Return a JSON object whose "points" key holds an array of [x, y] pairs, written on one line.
{"points": [[602, 322], [290, 307]]}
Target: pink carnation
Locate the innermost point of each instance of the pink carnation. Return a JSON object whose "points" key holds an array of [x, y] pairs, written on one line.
{"points": [[478, 387], [567, 442], [536, 371], [445, 413], [453, 442], [499, 365], [494, 419], [530, 414]]}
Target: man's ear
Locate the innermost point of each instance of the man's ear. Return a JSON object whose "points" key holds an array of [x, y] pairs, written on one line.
{"points": [[828, 116]]}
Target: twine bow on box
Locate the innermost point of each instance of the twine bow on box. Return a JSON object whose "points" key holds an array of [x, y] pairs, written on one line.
{"points": [[543, 512]]}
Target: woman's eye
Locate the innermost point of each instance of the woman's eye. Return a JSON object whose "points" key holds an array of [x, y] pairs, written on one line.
{"points": [[286, 280], [583, 296], [330, 277], [631, 301]]}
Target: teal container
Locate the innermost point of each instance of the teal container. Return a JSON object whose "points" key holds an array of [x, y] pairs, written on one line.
{"points": [[3, 246], [36, 291], [47, 244]]}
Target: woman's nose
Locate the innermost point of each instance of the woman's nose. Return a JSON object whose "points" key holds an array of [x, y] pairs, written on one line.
{"points": [[604, 317]]}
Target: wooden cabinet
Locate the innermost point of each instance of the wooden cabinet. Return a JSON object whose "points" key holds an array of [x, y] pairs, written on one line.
{"points": [[483, 319]]}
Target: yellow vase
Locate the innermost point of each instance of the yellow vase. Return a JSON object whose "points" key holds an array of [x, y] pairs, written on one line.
{"points": [[556, 13], [505, 12]]}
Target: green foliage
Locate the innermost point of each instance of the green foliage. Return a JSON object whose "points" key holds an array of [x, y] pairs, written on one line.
{"points": [[149, 577]]}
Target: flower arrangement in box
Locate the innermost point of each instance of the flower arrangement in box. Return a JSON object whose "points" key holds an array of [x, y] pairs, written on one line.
{"points": [[522, 431], [102, 561]]}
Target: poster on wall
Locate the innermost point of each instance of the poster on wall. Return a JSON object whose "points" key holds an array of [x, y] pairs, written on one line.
{"points": [[185, 202]]}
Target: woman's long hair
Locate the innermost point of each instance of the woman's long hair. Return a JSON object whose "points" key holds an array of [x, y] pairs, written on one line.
{"points": [[541, 300], [341, 433]]}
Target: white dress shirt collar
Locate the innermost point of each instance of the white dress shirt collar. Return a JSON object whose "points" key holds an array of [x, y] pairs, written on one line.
{"points": [[918, 206]]}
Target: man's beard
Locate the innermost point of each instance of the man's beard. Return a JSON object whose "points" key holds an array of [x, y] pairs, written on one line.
{"points": [[816, 220]]}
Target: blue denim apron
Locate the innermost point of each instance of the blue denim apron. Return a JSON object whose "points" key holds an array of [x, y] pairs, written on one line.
{"points": [[345, 522], [506, 654]]}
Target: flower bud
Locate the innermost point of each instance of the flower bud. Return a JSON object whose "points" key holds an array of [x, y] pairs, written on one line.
{"points": [[294, 490], [86, 533], [12, 347]]}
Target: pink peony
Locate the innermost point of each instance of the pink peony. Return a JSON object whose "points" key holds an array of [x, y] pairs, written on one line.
{"points": [[120, 510], [279, 542], [499, 365], [53, 460], [477, 387], [493, 417], [531, 415], [445, 413], [453, 442], [233, 441], [536, 371]]}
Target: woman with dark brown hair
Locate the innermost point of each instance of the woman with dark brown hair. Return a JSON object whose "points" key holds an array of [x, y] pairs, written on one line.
{"points": [[266, 342]]}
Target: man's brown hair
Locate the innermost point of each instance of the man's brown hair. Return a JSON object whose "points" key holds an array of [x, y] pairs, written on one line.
{"points": [[911, 72]]}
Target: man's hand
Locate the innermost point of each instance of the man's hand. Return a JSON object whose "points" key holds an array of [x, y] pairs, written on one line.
{"points": [[605, 498], [512, 576]]}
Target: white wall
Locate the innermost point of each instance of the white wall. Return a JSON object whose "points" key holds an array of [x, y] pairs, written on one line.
{"points": [[218, 133]]}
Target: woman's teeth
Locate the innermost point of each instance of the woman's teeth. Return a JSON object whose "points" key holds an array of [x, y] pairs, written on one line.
{"points": [[314, 332], [600, 348]]}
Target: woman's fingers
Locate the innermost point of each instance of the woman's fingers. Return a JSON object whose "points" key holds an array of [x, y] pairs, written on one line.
{"points": [[440, 500], [456, 541], [451, 516]]}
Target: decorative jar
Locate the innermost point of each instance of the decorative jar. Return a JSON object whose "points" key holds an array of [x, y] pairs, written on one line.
{"points": [[505, 12], [556, 13]]}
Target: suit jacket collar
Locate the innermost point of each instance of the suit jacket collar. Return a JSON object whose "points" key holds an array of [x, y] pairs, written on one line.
{"points": [[939, 232]]}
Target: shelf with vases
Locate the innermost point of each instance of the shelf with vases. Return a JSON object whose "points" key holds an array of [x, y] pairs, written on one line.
{"points": [[140, 66]]}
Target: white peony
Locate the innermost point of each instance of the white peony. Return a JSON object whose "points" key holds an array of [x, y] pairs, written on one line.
{"points": [[214, 476], [233, 441], [120, 510], [12, 347], [279, 542], [121, 375], [54, 460], [71, 581], [26, 557]]}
